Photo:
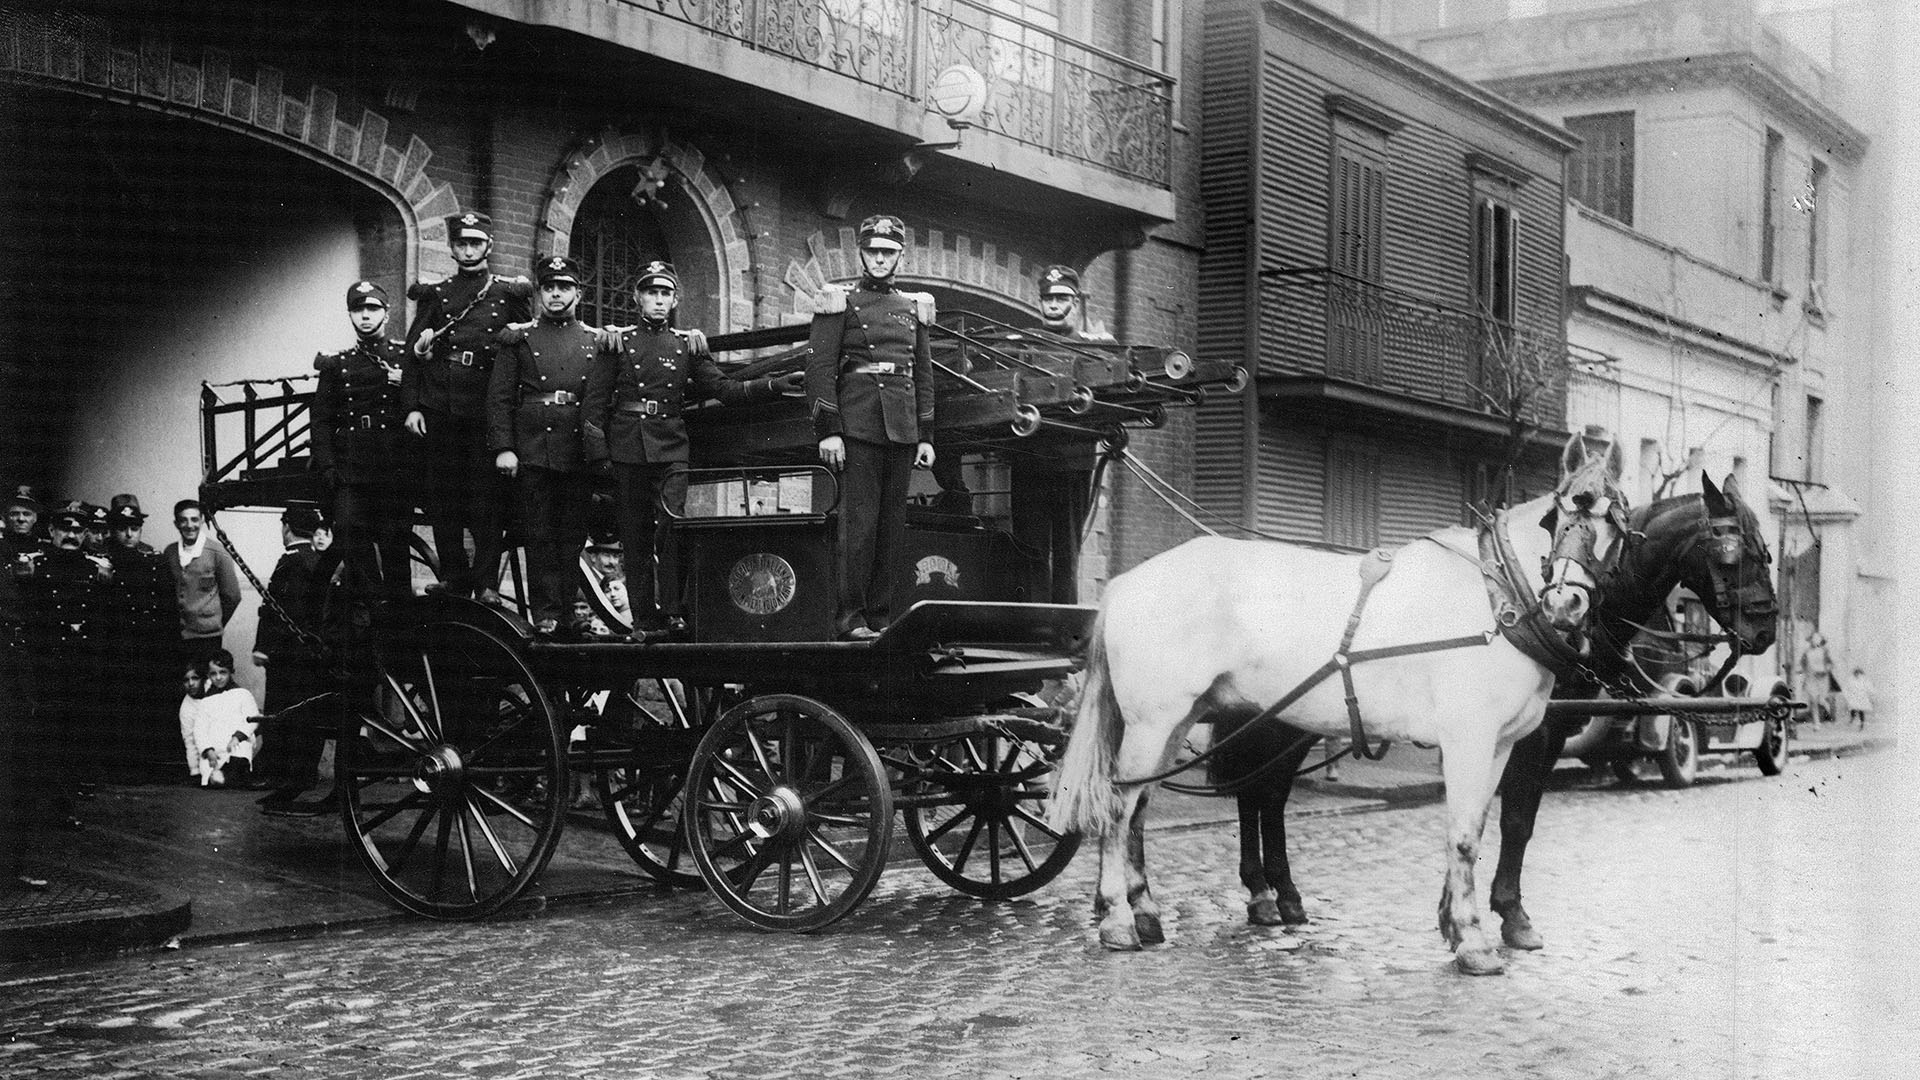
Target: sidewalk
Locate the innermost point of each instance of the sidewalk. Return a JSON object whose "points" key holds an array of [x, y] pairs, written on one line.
{"points": [[178, 865]]}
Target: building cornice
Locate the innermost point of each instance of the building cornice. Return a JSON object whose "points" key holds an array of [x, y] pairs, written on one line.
{"points": [[1315, 23], [1741, 70], [1619, 309]]}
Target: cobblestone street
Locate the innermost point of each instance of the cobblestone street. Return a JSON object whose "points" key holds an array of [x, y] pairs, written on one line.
{"points": [[1738, 929]]}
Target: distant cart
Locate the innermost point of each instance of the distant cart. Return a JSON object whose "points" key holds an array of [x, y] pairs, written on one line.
{"points": [[760, 758]]}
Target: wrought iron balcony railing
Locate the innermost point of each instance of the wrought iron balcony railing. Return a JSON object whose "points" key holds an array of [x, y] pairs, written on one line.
{"points": [[1316, 321], [1043, 89]]}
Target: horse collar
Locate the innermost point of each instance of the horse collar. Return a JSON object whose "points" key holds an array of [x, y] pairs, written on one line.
{"points": [[1516, 610]]}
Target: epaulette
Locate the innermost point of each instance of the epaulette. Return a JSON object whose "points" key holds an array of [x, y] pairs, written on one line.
{"points": [[329, 361], [420, 290], [517, 285], [832, 299], [696, 341], [922, 306], [513, 333]]}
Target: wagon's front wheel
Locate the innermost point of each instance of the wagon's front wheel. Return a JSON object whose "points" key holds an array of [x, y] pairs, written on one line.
{"points": [[976, 813], [454, 775], [788, 813]]}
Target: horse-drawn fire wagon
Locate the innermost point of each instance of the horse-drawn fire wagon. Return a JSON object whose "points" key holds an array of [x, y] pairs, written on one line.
{"points": [[761, 757]]}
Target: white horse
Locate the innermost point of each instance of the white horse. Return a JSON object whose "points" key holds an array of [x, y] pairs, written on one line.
{"points": [[1217, 626]]}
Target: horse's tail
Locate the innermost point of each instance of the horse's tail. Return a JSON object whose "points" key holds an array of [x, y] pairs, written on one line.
{"points": [[1085, 798]]}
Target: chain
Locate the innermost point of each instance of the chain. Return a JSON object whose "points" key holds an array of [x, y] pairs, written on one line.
{"points": [[314, 643]]}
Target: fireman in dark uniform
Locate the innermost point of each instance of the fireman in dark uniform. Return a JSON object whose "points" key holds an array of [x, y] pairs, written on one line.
{"points": [[634, 404], [444, 393], [870, 390], [1053, 488], [291, 751], [540, 375], [64, 602], [359, 448], [21, 544], [141, 637]]}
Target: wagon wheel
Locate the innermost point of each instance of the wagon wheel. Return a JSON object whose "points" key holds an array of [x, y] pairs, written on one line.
{"points": [[641, 777], [976, 813], [789, 814], [456, 780]]}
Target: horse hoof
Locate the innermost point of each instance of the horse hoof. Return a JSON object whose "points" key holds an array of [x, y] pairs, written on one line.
{"points": [[1519, 933], [1264, 913], [1292, 914], [1119, 942], [1148, 928], [1479, 962]]}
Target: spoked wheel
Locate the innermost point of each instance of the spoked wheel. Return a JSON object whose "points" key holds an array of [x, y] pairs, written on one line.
{"points": [[641, 772], [976, 813], [788, 813], [1680, 761], [456, 781]]}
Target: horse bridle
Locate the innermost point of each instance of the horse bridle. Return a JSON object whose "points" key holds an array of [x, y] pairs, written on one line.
{"points": [[1731, 599], [1575, 534]]}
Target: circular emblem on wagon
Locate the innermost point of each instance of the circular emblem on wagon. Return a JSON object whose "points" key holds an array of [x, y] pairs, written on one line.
{"points": [[761, 583], [938, 571]]}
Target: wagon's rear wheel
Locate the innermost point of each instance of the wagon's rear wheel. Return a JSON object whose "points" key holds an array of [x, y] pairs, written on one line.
{"points": [[642, 772], [455, 783], [788, 813], [976, 813]]}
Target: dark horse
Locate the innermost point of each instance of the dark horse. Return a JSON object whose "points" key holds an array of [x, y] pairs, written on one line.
{"points": [[1710, 542]]}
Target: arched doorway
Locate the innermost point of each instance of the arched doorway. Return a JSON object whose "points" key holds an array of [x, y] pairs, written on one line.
{"points": [[631, 216]]}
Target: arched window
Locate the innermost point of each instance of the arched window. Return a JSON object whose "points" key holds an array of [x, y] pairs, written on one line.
{"points": [[614, 235]]}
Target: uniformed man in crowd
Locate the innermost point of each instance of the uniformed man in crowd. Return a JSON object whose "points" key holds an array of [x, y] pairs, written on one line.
{"points": [[20, 541], [870, 391], [63, 598], [540, 375], [139, 633], [290, 751], [1052, 489], [633, 418], [361, 450], [21, 747], [444, 393]]}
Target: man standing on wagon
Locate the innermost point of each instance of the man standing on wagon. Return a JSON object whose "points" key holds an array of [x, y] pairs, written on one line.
{"points": [[1053, 489], [358, 444], [444, 393], [870, 391], [534, 405], [633, 418]]}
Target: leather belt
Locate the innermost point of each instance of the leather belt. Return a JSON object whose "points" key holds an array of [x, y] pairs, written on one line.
{"points": [[649, 407], [558, 397], [875, 367]]}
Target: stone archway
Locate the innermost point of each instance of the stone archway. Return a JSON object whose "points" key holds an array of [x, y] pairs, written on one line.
{"points": [[962, 265], [79, 56], [723, 219]]}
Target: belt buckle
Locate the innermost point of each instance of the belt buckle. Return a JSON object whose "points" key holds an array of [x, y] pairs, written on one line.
{"points": [[652, 407], [365, 424], [565, 397], [464, 358]]}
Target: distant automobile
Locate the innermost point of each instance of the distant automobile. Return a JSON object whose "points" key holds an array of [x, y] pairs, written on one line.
{"points": [[1675, 743]]}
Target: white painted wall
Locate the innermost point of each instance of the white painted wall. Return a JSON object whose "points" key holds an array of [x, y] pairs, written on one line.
{"points": [[255, 308]]}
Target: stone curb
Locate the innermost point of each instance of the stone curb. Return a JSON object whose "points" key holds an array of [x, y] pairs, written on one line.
{"points": [[139, 916]]}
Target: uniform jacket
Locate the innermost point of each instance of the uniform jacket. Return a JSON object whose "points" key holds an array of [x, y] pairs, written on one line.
{"points": [[863, 326], [357, 418], [669, 367], [139, 599], [545, 358], [465, 312], [64, 600], [296, 587]]}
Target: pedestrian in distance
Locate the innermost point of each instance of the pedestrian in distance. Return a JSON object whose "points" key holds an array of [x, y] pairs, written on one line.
{"points": [[1860, 692], [869, 385], [361, 449], [635, 402], [534, 405], [297, 592], [444, 393], [206, 586]]}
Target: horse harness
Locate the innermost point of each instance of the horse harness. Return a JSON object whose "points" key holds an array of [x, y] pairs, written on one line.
{"points": [[1517, 616]]}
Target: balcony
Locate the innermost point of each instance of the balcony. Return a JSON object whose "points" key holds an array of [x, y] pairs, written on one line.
{"points": [[1333, 337], [1059, 96]]}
